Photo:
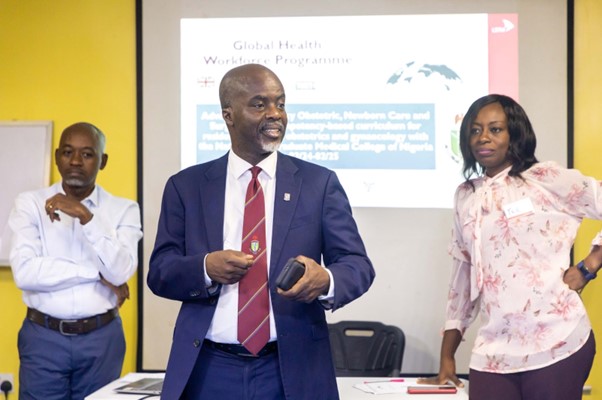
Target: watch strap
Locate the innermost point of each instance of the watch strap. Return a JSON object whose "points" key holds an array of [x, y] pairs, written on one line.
{"points": [[586, 274]]}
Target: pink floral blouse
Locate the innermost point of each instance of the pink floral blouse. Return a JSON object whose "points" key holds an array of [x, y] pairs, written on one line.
{"points": [[511, 245]]}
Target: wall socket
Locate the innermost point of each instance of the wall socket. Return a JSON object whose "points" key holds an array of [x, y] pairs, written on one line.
{"points": [[8, 377]]}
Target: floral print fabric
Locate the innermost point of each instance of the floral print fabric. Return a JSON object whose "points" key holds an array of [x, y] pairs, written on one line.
{"points": [[511, 244]]}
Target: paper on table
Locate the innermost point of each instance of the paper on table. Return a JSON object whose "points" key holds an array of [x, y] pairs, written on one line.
{"points": [[382, 388]]}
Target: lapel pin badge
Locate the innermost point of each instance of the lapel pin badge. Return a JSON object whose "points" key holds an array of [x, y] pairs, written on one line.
{"points": [[287, 197]]}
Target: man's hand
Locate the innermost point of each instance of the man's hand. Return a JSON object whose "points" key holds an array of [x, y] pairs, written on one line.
{"points": [[122, 291], [315, 282], [69, 206], [228, 266]]}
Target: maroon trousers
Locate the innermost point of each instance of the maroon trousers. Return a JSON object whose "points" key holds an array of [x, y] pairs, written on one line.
{"points": [[560, 381]]}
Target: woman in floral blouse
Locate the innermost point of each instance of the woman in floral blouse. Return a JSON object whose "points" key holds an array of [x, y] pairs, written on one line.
{"points": [[515, 224]]}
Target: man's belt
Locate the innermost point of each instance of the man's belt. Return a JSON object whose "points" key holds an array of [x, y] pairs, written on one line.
{"points": [[72, 327], [241, 351]]}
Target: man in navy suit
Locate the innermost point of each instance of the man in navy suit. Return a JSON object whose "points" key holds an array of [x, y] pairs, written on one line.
{"points": [[197, 258]]}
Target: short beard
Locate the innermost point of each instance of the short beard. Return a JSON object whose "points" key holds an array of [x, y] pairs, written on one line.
{"points": [[74, 182], [271, 147]]}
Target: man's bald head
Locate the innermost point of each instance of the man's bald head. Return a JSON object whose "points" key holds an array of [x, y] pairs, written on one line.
{"points": [[238, 78]]}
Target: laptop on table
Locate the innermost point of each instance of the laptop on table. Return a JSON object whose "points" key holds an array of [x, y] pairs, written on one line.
{"points": [[147, 386]]}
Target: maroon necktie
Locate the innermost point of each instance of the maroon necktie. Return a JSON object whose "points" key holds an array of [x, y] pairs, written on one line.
{"points": [[253, 298]]}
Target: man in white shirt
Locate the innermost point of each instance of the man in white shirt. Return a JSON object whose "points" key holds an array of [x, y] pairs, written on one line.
{"points": [[74, 246]]}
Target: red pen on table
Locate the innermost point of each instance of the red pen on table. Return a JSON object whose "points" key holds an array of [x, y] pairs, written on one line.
{"points": [[387, 380]]}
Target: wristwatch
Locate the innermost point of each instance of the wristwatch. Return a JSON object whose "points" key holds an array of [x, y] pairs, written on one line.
{"points": [[586, 274]]}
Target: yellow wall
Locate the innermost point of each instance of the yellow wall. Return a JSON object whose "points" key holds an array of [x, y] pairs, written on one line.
{"points": [[69, 61], [73, 60], [588, 148]]}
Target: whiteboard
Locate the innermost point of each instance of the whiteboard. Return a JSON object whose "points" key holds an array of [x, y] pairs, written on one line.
{"points": [[25, 156]]}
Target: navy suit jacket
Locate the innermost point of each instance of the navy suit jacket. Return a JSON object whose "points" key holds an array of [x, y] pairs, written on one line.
{"points": [[316, 222]]}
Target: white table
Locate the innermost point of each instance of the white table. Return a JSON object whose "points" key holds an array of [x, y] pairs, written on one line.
{"points": [[346, 390]]}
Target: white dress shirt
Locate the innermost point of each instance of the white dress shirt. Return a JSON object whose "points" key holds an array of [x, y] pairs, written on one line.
{"points": [[223, 328], [58, 265]]}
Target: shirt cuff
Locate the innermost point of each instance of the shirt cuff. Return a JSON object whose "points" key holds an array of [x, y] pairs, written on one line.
{"points": [[454, 324], [94, 230], [328, 298], [597, 241], [208, 282]]}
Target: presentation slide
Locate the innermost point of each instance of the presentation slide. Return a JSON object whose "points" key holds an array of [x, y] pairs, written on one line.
{"points": [[378, 99]]}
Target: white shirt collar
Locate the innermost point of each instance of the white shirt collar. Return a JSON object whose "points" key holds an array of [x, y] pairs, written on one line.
{"points": [[237, 166], [92, 199]]}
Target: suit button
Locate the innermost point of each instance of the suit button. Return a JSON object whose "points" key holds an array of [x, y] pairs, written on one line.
{"points": [[196, 343], [212, 301]]}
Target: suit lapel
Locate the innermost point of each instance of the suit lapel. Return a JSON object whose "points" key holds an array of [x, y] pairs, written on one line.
{"points": [[212, 191], [288, 188]]}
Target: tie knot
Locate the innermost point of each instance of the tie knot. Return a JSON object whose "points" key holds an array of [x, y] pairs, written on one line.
{"points": [[255, 171]]}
